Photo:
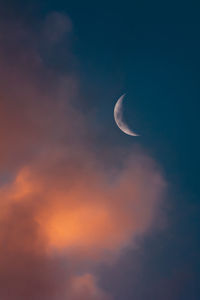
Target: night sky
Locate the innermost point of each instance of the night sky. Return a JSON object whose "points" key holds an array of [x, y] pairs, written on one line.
{"points": [[88, 212]]}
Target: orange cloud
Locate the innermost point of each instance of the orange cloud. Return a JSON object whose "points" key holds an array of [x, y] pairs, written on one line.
{"points": [[60, 204], [81, 210]]}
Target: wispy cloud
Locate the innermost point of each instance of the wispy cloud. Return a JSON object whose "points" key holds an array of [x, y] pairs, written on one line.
{"points": [[61, 210]]}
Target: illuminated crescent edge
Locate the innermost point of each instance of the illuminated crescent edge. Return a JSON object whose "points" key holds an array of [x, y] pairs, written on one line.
{"points": [[118, 116]]}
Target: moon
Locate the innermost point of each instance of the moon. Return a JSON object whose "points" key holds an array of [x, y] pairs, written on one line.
{"points": [[118, 116]]}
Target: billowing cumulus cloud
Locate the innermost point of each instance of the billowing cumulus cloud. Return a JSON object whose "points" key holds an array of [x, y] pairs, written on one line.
{"points": [[62, 210]]}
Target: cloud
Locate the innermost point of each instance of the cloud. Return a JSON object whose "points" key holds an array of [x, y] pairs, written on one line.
{"points": [[84, 287], [56, 26], [62, 210]]}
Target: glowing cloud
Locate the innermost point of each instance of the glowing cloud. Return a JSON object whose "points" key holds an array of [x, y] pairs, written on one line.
{"points": [[60, 205]]}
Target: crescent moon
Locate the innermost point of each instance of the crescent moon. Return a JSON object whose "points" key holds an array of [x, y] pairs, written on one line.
{"points": [[118, 116]]}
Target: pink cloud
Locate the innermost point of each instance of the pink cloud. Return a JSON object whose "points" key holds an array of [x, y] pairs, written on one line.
{"points": [[61, 205]]}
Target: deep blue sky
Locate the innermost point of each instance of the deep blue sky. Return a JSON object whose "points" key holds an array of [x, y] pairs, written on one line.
{"points": [[151, 52]]}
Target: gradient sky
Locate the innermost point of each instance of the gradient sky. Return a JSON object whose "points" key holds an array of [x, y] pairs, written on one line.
{"points": [[87, 212]]}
